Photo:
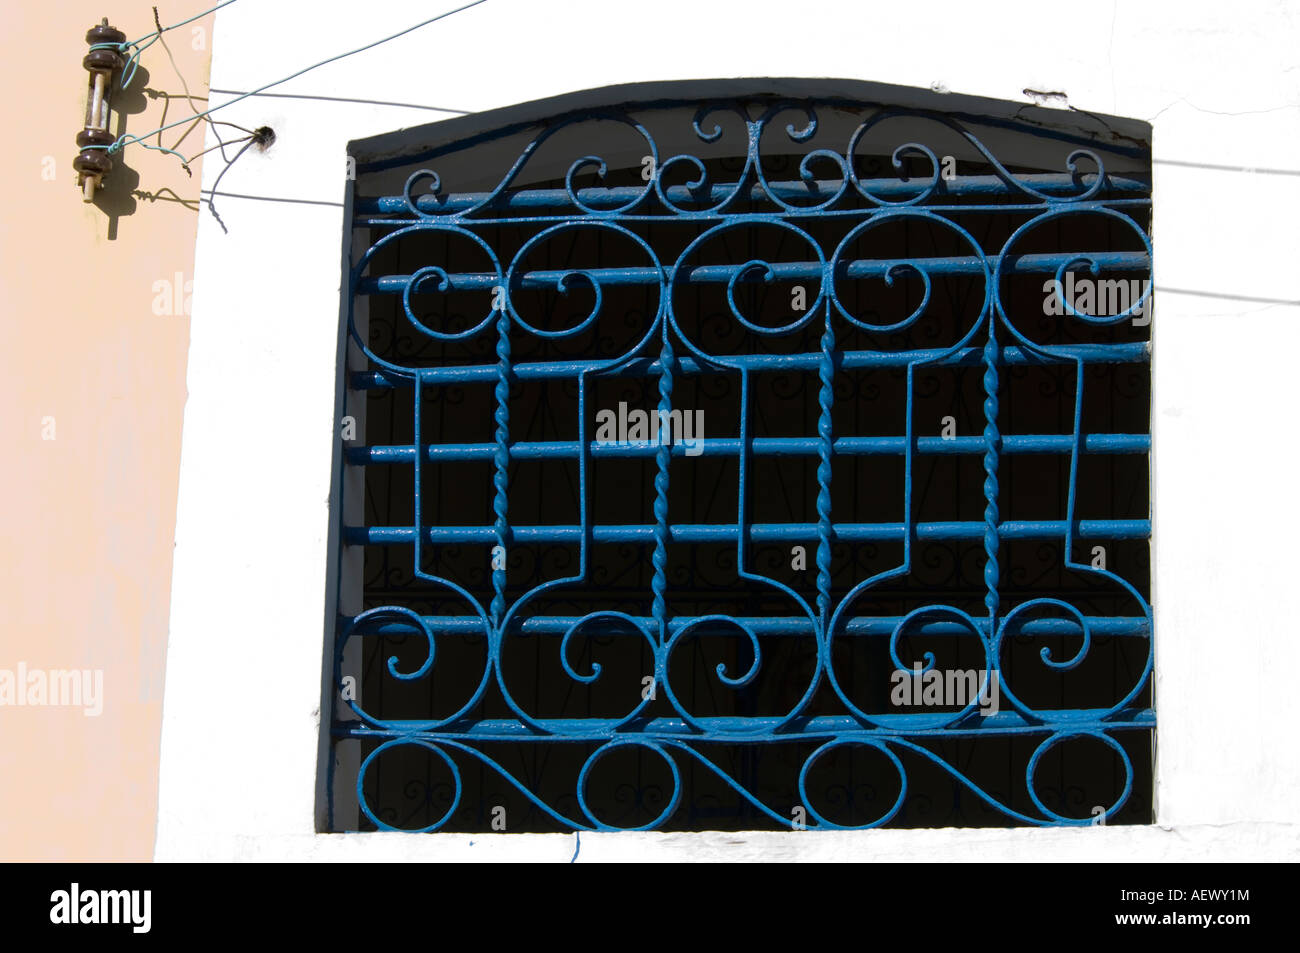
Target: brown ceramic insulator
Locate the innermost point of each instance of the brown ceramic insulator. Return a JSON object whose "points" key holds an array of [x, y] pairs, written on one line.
{"points": [[103, 33], [93, 162], [103, 61]]}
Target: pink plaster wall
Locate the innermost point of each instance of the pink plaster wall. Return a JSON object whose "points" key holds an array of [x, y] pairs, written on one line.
{"points": [[88, 517]]}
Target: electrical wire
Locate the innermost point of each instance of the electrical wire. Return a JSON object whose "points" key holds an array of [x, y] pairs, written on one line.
{"points": [[128, 71], [125, 140]]}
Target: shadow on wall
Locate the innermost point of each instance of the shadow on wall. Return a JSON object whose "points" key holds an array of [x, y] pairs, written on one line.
{"points": [[121, 194], [115, 198]]}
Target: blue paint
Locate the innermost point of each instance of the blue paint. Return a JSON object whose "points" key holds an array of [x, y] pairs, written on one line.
{"points": [[992, 342]]}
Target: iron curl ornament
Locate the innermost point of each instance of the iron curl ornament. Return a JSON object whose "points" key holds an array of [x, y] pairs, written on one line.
{"points": [[914, 243]]}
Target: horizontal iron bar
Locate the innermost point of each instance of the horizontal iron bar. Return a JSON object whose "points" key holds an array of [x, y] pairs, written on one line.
{"points": [[794, 214], [761, 446], [751, 730], [612, 198], [759, 532], [1132, 353], [781, 271], [763, 625]]}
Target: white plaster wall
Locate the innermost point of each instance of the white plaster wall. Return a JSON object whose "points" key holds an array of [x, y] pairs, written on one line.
{"points": [[1219, 83]]}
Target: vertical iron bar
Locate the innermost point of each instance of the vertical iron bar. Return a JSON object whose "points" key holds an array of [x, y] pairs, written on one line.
{"points": [[992, 444]]}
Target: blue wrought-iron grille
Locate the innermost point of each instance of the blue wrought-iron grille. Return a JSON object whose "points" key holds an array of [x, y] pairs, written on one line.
{"points": [[884, 561]]}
